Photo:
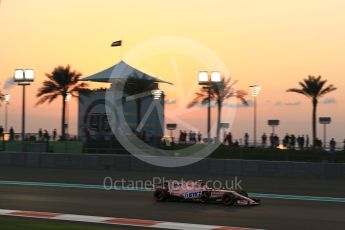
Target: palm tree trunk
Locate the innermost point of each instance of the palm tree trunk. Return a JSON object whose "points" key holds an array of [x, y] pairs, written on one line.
{"points": [[314, 119], [63, 118], [219, 118]]}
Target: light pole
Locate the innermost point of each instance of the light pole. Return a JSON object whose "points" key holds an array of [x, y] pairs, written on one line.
{"points": [[68, 98], [207, 82], [23, 77], [158, 96], [255, 90], [325, 121], [7, 98]]}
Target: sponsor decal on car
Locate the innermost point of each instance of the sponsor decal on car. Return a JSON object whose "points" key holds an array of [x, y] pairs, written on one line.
{"points": [[189, 195]]}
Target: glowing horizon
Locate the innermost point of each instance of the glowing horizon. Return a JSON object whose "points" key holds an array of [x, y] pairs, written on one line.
{"points": [[274, 44]]}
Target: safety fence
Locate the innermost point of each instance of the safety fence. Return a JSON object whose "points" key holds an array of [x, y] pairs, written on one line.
{"points": [[229, 167]]}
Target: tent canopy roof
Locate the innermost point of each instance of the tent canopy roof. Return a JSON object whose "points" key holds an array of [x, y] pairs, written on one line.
{"points": [[121, 71]]}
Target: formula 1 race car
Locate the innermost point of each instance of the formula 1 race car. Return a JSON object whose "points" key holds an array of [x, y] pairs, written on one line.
{"points": [[199, 191]]}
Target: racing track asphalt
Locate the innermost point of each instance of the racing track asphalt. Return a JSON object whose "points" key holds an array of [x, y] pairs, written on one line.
{"points": [[272, 214]]}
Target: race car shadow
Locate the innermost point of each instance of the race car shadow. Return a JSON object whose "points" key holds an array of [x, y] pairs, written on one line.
{"points": [[199, 204]]}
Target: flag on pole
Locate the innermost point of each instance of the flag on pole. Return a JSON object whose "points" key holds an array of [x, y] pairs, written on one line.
{"points": [[116, 43]]}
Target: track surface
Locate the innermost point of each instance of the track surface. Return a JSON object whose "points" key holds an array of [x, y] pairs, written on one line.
{"points": [[19, 223], [272, 214]]}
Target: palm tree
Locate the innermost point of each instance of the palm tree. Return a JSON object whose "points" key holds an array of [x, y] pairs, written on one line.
{"points": [[61, 82], [313, 88], [219, 93]]}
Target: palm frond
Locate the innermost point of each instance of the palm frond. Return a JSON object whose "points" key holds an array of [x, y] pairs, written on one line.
{"points": [[45, 98], [199, 97], [300, 91], [241, 94], [219, 93], [328, 89], [60, 81], [313, 87]]}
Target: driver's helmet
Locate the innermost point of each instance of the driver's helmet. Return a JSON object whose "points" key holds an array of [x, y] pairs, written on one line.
{"points": [[201, 183]]}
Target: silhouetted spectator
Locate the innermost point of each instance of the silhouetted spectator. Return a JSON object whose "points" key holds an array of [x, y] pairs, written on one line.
{"points": [[332, 145], [302, 142], [276, 141], [286, 141], [199, 136], [54, 134], [46, 135], [307, 142], [182, 137], [264, 140], [292, 141], [11, 134], [1, 132], [246, 139], [272, 140], [40, 134], [229, 139], [190, 136], [317, 143], [236, 144]]}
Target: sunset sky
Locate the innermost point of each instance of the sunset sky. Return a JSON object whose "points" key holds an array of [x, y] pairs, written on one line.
{"points": [[271, 43]]}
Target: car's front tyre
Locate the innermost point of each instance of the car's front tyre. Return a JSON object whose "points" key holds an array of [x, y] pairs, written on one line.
{"points": [[228, 199], [204, 197], [160, 195]]}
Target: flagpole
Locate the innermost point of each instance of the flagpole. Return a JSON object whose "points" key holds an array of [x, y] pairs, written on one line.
{"points": [[116, 44], [121, 52]]}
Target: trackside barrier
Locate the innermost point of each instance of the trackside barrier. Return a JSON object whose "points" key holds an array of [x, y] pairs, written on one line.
{"points": [[205, 166]]}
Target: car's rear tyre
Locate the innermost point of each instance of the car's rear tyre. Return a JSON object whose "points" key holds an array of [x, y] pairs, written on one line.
{"points": [[228, 199], [160, 195]]}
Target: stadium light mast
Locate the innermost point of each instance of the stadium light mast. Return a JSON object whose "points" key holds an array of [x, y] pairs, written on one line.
{"points": [[255, 90], [68, 99], [23, 77], [7, 98], [207, 81]]}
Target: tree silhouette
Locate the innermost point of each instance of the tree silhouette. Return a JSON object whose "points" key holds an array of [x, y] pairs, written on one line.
{"points": [[60, 82], [219, 92], [313, 88]]}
